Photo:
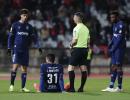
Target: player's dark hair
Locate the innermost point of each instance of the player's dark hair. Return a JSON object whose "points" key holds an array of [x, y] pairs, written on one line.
{"points": [[116, 13], [51, 57], [24, 11]]}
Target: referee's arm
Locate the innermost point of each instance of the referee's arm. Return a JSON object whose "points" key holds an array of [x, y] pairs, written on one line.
{"points": [[73, 42], [74, 39], [88, 42]]}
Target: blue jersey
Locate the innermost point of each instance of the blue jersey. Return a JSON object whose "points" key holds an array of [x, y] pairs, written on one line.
{"points": [[21, 35], [118, 39], [118, 43], [51, 78]]}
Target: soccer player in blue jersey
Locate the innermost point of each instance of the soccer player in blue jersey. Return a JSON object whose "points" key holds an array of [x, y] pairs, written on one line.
{"points": [[20, 37], [51, 76], [117, 50]]}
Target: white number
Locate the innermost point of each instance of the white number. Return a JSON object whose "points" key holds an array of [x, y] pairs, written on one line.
{"points": [[55, 75], [51, 77]]}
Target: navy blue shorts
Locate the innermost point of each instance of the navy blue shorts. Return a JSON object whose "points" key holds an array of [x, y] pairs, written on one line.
{"points": [[117, 57], [21, 58]]}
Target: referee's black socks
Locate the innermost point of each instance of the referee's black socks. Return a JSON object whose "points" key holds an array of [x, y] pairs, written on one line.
{"points": [[83, 80], [71, 79]]}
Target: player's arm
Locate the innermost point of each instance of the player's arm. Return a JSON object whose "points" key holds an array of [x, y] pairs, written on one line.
{"points": [[11, 36], [116, 43], [88, 41], [74, 42], [41, 87], [74, 39], [110, 44], [119, 38], [61, 80], [36, 39]]}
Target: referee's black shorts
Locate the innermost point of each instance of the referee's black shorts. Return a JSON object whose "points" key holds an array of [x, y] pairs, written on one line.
{"points": [[78, 56]]}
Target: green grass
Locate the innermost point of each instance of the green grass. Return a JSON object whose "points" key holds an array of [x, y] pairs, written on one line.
{"points": [[92, 91]]}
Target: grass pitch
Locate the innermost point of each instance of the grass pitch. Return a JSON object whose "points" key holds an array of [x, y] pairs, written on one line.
{"points": [[92, 91]]}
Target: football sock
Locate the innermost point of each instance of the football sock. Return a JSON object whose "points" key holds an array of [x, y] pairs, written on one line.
{"points": [[120, 77], [23, 78], [113, 78], [13, 76], [83, 79], [71, 79]]}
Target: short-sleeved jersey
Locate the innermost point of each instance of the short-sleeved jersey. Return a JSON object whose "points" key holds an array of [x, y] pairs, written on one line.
{"points": [[81, 33], [21, 35], [51, 75]]}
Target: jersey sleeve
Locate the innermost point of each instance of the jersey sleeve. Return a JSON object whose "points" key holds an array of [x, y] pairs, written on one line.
{"points": [[61, 80], [110, 44], [42, 72], [11, 36], [35, 37], [119, 38], [121, 28], [116, 43], [75, 33]]}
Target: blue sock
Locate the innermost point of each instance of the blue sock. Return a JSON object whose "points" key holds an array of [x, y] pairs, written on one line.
{"points": [[120, 77], [13, 76], [113, 78], [23, 78]]}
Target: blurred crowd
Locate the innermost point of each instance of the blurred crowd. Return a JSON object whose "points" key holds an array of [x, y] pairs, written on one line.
{"points": [[53, 19]]}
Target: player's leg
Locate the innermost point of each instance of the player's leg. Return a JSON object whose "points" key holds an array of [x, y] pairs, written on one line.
{"points": [[23, 78], [84, 74], [88, 67], [113, 74], [13, 76], [120, 77], [119, 62], [71, 77], [120, 57], [83, 68], [74, 60]]}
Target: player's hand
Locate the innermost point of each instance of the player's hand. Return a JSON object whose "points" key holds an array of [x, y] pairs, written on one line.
{"points": [[40, 50], [9, 52], [110, 51]]}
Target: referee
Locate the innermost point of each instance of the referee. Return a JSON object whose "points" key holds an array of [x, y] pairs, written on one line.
{"points": [[79, 45]]}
